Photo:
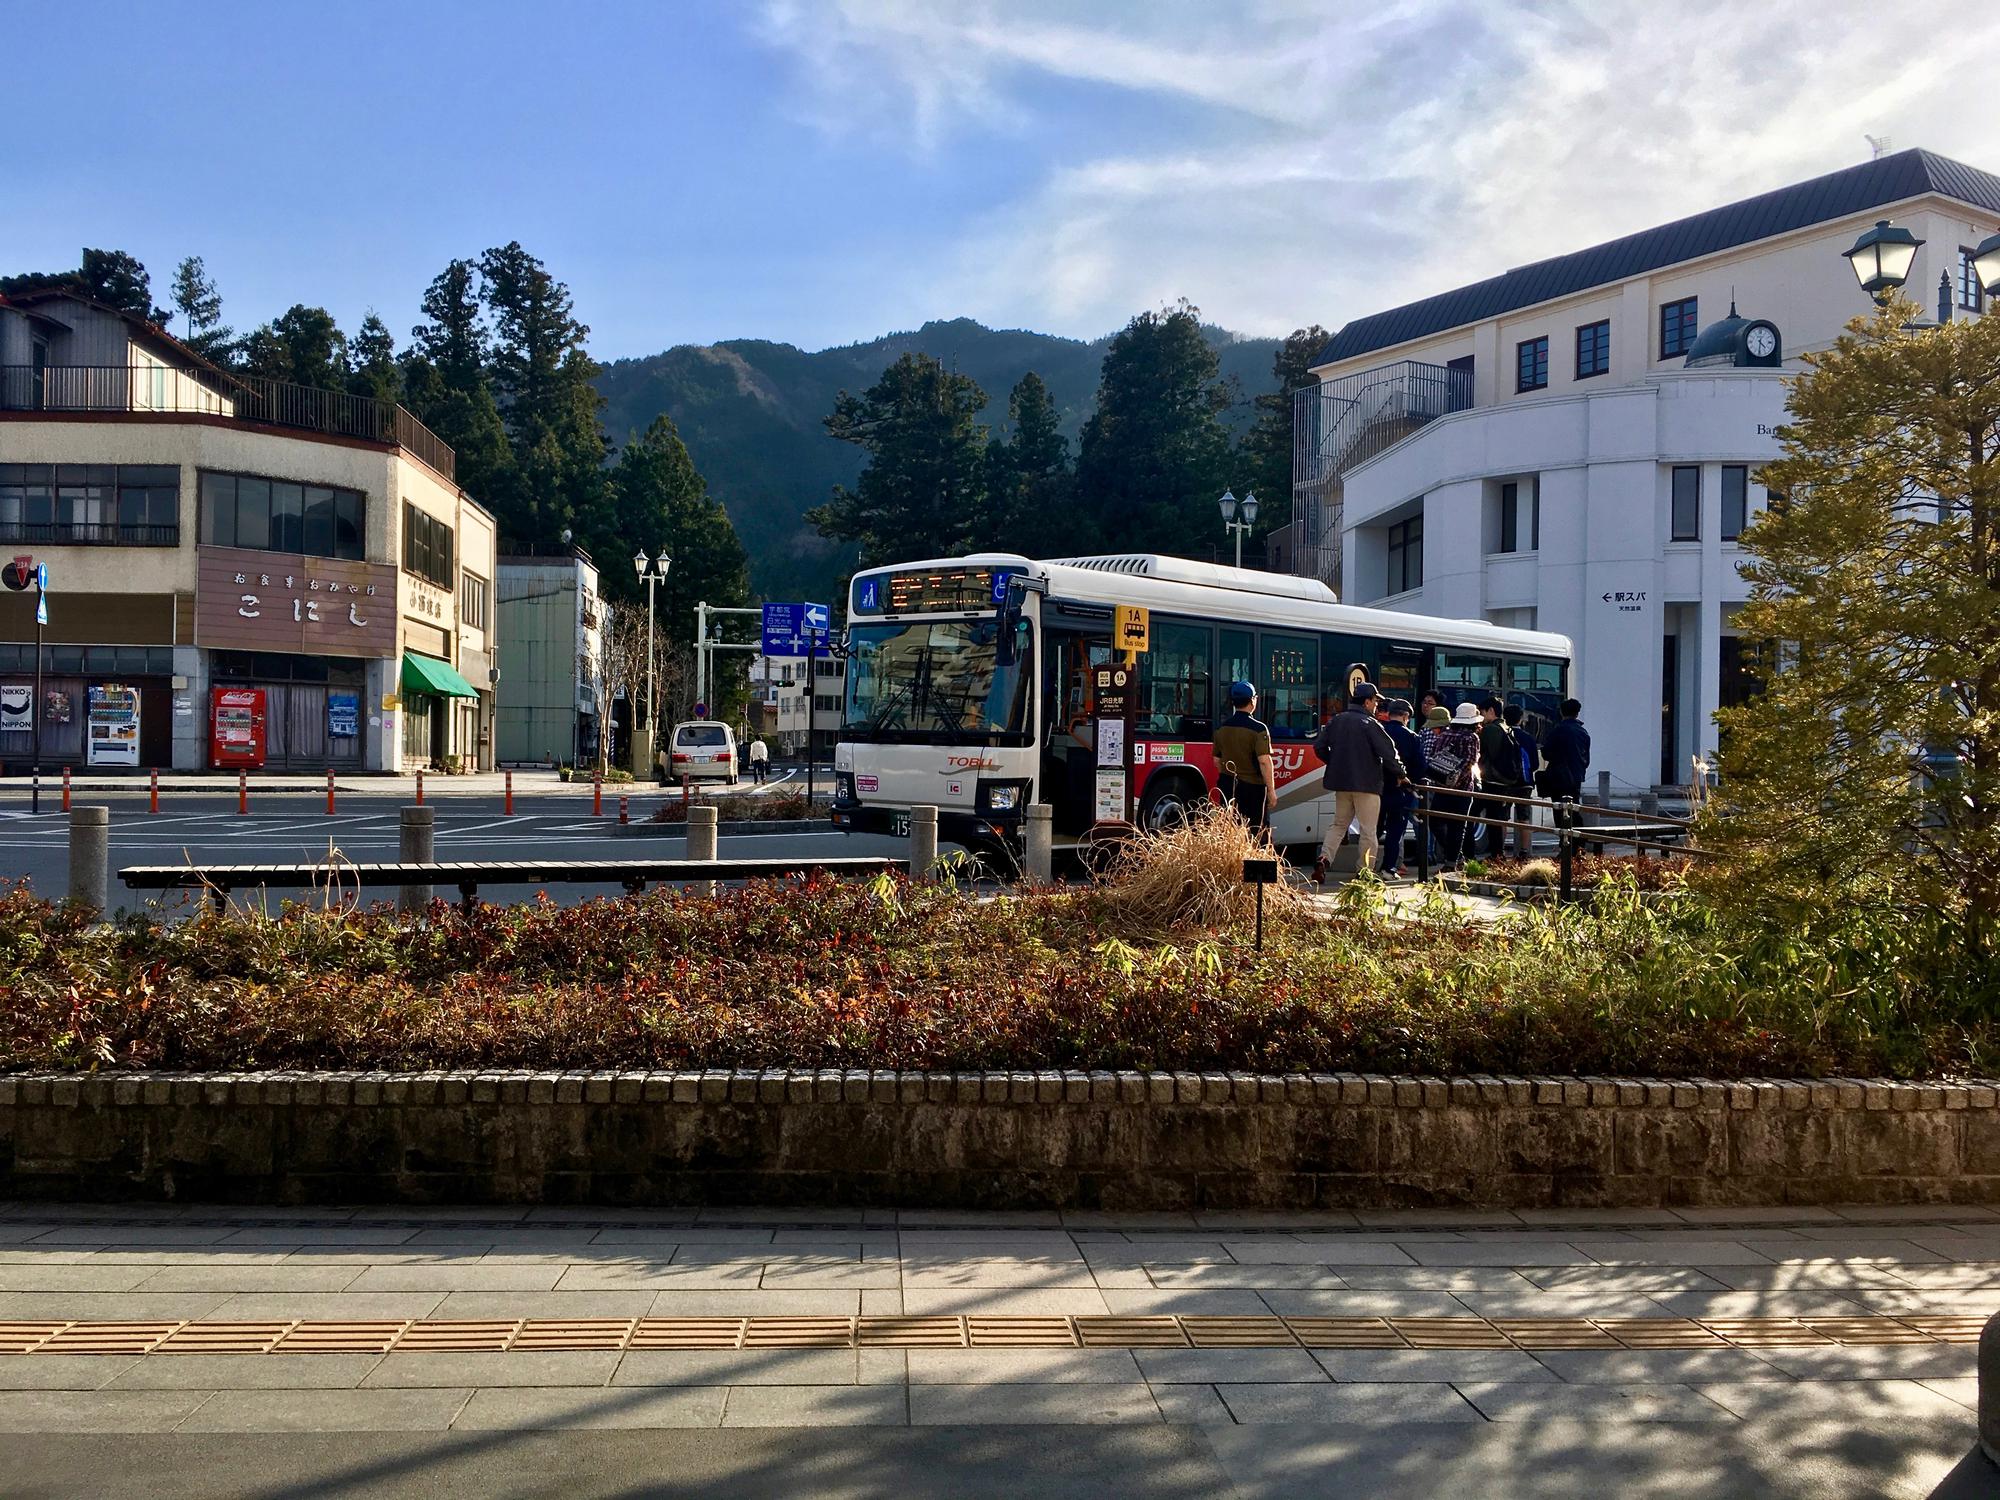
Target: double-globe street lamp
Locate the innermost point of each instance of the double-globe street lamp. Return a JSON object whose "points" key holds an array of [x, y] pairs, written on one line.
{"points": [[1231, 507], [651, 571], [1882, 257]]}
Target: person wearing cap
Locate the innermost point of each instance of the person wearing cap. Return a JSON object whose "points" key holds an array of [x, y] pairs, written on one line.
{"points": [[1451, 759], [1245, 772], [1360, 757]]}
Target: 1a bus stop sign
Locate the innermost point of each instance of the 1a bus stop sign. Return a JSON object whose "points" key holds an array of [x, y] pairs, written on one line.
{"points": [[790, 629]]}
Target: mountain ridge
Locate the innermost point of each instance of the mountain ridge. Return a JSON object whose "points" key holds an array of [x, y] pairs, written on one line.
{"points": [[750, 412]]}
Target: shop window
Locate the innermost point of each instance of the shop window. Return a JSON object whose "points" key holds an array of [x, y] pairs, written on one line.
{"points": [[1735, 500], [1406, 555], [1686, 504], [1593, 349], [427, 548], [280, 515], [472, 601], [1677, 326]]}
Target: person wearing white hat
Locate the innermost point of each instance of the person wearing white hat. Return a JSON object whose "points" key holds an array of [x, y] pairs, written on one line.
{"points": [[1451, 757]]}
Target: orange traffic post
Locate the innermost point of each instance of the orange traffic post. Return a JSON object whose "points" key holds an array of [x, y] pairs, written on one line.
{"points": [[329, 792], [242, 794], [65, 788], [687, 792], [596, 795], [624, 809], [509, 806], [155, 793], [420, 786]]}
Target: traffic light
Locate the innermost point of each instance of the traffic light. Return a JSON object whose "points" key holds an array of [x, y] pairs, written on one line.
{"points": [[19, 574]]}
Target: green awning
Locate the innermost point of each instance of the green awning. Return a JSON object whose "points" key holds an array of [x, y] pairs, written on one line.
{"points": [[426, 674]]}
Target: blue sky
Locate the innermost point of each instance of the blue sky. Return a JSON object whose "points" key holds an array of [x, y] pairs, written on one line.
{"points": [[818, 172]]}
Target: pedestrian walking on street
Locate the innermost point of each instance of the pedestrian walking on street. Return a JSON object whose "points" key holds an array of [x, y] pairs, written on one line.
{"points": [[1245, 772], [1451, 757], [1566, 755], [760, 760], [1400, 801], [1360, 758]]}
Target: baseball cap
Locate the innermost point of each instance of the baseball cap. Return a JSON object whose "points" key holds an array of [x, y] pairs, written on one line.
{"points": [[1363, 691], [1242, 692]]}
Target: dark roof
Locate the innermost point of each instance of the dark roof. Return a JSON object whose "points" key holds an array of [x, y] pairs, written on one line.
{"points": [[1837, 195]]}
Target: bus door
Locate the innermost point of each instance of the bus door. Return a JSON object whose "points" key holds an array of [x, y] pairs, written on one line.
{"points": [[1069, 751]]}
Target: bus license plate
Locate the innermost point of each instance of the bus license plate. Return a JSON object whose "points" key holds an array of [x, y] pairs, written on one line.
{"points": [[899, 825]]}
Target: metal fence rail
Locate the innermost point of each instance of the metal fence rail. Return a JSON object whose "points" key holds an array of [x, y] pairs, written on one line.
{"points": [[245, 398]]}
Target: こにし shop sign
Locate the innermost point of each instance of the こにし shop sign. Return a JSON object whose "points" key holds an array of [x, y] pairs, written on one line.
{"points": [[278, 601]]}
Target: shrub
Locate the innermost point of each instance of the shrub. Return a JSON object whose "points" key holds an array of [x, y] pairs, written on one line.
{"points": [[821, 974]]}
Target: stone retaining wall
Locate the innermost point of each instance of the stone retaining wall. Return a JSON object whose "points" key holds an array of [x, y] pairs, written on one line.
{"points": [[994, 1140]]}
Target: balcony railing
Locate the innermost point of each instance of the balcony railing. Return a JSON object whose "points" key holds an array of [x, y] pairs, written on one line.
{"points": [[1340, 423], [245, 398], [89, 534]]}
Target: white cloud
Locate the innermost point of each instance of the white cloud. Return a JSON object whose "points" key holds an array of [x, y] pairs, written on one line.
{"points": [[1345, 159]]}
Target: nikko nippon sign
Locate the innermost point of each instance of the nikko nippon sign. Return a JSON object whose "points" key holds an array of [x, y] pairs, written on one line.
{"points": [[792, 629]]}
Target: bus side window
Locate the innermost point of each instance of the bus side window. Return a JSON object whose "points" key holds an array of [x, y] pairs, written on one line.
{"points": [[1232, 666]]}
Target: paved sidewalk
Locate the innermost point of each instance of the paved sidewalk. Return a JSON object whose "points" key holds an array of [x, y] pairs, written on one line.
{"points": [[1788, 1351]]}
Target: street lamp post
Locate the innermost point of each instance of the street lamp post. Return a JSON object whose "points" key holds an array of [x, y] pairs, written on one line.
{"points": [[1231, 507], [646, 569], [1881, 258]]}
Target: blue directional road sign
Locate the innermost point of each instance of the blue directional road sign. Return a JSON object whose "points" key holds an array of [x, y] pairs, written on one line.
{"points": [[791, 629]]}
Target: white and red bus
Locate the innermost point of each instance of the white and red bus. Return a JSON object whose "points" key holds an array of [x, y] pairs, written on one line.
{"points": [[970, 685]]}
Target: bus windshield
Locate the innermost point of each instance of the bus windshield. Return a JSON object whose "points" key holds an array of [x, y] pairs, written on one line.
{"points": [[936, 677]]}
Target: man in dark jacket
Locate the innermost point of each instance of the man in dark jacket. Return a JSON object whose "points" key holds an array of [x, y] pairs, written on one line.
{"points": [[1500, 776], [1359, 757], [1400, 801], [1566, 755]]}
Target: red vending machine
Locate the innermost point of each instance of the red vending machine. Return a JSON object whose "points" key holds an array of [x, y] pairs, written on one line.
{"points": [[236, 728]]}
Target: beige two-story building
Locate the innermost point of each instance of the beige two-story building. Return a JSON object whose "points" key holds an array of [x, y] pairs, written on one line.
{"points": [[240, 571]]}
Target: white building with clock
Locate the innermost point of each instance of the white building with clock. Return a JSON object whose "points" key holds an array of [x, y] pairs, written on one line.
{"points": [[1573, 446]]}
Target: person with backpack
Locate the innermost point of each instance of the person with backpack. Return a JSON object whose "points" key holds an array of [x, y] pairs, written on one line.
{"points": [[1566, 755], [1359, 757], [1451, 759]]}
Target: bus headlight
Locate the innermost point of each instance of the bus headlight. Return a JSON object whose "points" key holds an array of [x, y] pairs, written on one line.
{"points": [[1001, 796]]}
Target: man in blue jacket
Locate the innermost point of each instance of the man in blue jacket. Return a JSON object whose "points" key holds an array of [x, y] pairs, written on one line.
{"points": [[1566, 755], [1399, 801]]}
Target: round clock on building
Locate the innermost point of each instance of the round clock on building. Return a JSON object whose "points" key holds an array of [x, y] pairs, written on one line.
{"points": [[1761, 344]]}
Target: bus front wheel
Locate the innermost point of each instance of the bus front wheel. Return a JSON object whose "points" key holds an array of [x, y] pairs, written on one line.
{"points": [[1170, 802]]}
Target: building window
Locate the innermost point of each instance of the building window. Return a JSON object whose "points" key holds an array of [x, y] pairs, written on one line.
{"points": [[827, 702], [1406, 555], [1531, 367], [1510, 518], [1687, 504], [280, 515], [472, 601], [87, 505], [1971, 295], [1677, 327], [1593, 349], [426, 546], [1735, 500]]}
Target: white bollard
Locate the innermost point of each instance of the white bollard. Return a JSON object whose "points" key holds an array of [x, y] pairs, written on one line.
{"points": [[702, 840], [923, 843], [90, 857], [419, 846], [1041, 840]]}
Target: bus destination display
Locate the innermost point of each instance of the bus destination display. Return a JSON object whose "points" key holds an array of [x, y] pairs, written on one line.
{"points": [[929, 590]]}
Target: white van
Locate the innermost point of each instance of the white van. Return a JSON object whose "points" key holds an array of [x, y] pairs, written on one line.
{"points": [[702, 748]]}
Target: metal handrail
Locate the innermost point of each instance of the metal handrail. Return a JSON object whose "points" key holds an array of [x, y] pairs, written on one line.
{"points": [[1569, 832], [243, 398]]}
